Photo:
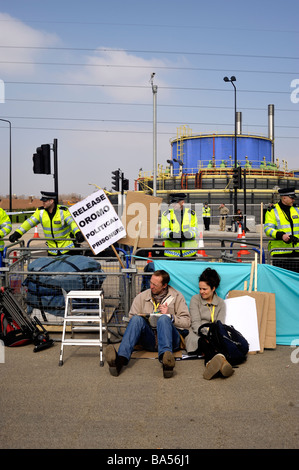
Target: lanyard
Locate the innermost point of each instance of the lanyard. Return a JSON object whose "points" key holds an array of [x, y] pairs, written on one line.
{"points": [[156, 305], [212, 310]]}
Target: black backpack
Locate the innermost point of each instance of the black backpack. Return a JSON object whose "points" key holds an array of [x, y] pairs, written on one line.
{"points": [[226, 340]]}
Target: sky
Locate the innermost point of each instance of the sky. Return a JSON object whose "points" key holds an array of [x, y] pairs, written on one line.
{"points": [[80, 72]]}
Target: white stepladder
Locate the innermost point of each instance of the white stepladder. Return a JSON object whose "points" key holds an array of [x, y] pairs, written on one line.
{"points": [[88, 318]]}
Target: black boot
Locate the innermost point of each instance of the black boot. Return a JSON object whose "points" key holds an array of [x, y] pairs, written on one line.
{"points": [[168, 363], [114, 361]]}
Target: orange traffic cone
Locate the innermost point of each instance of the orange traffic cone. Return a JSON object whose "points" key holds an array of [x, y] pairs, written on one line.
{"points": [[36, 235], [242, 246], [239, 236], [239, 231], [201, 252], [150, 259]]}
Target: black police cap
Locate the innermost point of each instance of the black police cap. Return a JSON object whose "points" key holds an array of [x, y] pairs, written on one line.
{"points": [[46, 195], [287, 192], [176, 197]]}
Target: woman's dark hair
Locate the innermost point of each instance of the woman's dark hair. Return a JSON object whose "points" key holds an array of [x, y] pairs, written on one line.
{"points": [[211, 277]]}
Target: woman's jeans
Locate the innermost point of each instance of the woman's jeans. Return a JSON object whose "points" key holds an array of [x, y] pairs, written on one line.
{"points": [[140, 332]]}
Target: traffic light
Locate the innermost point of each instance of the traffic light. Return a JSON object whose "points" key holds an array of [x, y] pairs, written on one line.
{"points": [[115, 180], [237, 178], [125, 186], [42, 160]]}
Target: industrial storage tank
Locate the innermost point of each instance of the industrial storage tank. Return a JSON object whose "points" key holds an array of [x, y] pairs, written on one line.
{"points": [[202, 166], [192, 153]]}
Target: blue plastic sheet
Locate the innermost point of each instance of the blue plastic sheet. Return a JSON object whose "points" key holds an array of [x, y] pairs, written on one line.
{"points": [[283, 283], [44, 292]]}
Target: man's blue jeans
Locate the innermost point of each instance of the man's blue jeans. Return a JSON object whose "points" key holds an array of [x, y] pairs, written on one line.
{"points": [[139, 331], [236, 226]]}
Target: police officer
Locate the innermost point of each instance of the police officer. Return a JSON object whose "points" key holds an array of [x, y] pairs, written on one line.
{"points": [[57, 223], [179, 228], [206, 214], [5, 227], [282, 225]]}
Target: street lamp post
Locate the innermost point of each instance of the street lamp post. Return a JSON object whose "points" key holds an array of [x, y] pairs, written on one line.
{"points": [[10, 177], [155, 91], [232, 80]]}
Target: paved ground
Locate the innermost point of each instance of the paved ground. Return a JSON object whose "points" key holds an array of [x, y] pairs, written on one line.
{"points": [[81, 406]]}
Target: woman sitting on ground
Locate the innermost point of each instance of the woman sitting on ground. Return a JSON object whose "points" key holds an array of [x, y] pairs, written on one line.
{"points": [[207, 307]]}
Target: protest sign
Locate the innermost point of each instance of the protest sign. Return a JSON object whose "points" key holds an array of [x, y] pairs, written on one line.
{"points": [[98, 221], [141, 215]]}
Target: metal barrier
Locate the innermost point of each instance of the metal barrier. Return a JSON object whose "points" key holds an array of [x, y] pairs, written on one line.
{"points": [[290, 262], [120, 285], [16, 274], [5, 262], [219, 250]]}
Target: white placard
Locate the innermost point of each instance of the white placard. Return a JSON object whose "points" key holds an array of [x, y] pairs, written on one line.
{"points": [[242, 315], [98, 221]]}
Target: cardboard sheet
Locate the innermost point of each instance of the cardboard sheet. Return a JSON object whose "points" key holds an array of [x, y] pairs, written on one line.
{"points": [[241, 313], [266, 315], [140, 218]]}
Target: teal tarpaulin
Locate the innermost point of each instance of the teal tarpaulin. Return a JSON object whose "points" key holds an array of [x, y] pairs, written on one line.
{"points": [[283, 283]]}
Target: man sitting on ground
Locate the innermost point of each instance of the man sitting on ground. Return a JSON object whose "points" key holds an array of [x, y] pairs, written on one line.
{"points": [[159, 319]]}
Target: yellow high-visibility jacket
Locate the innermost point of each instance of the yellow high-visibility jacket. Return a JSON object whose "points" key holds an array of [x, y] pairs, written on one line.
{"points": [[206, 211], [5, 227], [61, 225], [276, 224], [170, 224]]}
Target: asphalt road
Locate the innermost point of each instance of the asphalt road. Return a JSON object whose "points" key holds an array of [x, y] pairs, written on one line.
{"points": [[81, 406]]}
